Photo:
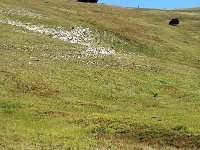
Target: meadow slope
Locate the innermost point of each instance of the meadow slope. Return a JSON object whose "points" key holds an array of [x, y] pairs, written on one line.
{"points": [[91, 76]]}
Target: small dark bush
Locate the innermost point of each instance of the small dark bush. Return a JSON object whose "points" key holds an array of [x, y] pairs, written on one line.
{"points": [[174, 22], [155, 95], [180, 128], [88, 1]]}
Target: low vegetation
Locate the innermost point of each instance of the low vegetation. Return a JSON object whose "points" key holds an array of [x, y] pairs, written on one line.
{"points": [[91, 76]]}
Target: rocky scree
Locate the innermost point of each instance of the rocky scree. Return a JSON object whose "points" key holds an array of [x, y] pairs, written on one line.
{"points": [[79, 35]]}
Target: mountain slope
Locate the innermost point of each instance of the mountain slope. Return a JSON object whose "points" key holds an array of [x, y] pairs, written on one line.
{"points": [[91, 76]]}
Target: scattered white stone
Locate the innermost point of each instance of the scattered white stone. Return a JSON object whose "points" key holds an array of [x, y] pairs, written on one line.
{"points": [[96, 51], [20, 12], [20, 31]]}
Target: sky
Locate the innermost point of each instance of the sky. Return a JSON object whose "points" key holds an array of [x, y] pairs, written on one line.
{"points": [[161, 4]]}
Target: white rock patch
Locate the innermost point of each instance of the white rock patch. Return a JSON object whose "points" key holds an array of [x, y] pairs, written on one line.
{"points": [[79, 35]]}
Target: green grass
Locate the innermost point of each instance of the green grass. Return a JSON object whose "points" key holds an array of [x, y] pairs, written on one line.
{"points": [[147, 96]]}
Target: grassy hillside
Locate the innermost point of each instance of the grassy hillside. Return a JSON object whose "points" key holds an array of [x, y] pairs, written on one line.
{"points": [[91, 76]]}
